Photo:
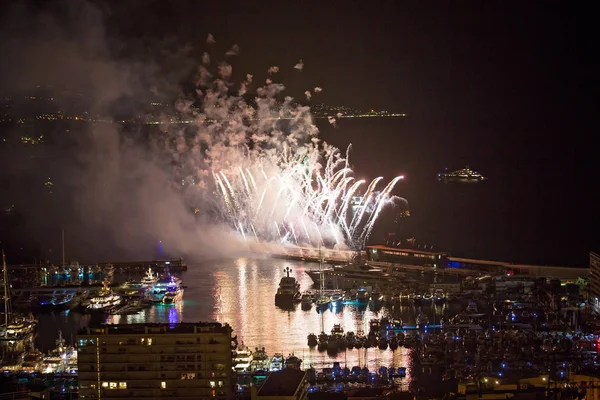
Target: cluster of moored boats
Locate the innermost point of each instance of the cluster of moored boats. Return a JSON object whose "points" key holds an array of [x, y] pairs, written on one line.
{"points": [[61, 360], [257, 361], [128, 298]]}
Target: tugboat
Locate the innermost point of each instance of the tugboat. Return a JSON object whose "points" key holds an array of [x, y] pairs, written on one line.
{"points": [[289, 290]]}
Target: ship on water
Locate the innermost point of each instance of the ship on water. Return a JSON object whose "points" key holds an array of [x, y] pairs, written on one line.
{"points": [[462, 175]]}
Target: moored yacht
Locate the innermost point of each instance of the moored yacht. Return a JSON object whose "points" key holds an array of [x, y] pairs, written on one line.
{"points": [[105, 299], [149, 279], [277, 362], [13, 328], [350, 276], [242, 359], [362, 296], [260, 360], [173, 294], [289, 289], [306, 301], [462, 175], [32, 361]]}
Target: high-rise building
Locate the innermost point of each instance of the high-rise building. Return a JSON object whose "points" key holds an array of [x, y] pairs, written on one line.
{"points": [[150, 361], [594, 291]]}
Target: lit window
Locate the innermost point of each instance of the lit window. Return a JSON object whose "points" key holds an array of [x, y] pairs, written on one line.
{"points": [[122, 385], [220, 383], [112, 385], [212, 384], [163, 385], [149, 341], [104, 384]]}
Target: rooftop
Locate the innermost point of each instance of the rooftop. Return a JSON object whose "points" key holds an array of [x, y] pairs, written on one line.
{"points": [[169, 329], [282, 383]]}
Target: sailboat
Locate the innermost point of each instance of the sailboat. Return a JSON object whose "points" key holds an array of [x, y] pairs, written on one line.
{"points": [[14, 328], [323, 300]]}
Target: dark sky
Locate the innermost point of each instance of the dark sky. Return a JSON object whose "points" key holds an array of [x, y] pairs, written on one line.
{"points": [[489, 78]]}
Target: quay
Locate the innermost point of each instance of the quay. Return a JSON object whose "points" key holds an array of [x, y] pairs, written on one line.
{"points": [[173, 264]]}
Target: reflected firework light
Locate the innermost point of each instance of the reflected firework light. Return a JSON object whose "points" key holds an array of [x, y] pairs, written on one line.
{"points": [[262, 167]]}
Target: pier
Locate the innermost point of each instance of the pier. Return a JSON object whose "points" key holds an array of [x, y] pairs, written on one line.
{"points": [[173, 264]]}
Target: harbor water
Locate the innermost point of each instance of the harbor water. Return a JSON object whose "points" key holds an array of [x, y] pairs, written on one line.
{"points": [[242, 293]]}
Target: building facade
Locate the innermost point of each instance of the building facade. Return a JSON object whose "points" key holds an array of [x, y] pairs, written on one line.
{"points": [[594, 288], [150, 361]]}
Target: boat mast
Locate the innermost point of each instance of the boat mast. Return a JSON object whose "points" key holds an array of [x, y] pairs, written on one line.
{"points": [[6, 295], [63, 247]]}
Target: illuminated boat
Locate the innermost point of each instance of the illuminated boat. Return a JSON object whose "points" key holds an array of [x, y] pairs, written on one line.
{"points": [[362, 296], [105, 300], [149, 279], [14, 328], [462, 175], [242, 359], [173, 294], [289, 289], [159, 289], [260, 360], [277, 362], [32, 361]]}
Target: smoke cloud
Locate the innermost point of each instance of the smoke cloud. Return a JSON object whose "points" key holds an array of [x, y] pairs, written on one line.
{"points": [[219, 165]]}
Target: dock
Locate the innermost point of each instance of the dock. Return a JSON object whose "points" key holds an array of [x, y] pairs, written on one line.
{"points": [[173, 264]]}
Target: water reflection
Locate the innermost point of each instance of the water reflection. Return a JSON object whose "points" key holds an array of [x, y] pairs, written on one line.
{"points": [[242, 293]]}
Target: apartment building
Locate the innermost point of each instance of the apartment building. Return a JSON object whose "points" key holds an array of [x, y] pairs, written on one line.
{"points": [[151, 361]]}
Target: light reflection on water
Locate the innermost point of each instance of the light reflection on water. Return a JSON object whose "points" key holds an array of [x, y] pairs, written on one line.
{"points": [[242, 293]]}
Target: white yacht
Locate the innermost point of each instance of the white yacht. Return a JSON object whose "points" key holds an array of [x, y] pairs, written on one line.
{"points": [[242, 359], [149, 279], [104, 300], [173, 294], [260, 360], [13, 328], [32, 361], [57, 360], [277, 362]]}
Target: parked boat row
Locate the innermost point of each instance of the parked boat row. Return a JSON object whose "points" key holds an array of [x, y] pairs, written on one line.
{"points": [[246, 360]]}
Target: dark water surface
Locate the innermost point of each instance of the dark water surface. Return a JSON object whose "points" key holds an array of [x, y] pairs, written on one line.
{"points": [[242, 293]]}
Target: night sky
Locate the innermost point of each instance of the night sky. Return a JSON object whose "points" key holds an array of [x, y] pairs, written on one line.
{"points": [[508, 85]]}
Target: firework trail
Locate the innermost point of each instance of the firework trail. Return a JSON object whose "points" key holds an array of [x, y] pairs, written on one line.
{"points": [[261, 167]]}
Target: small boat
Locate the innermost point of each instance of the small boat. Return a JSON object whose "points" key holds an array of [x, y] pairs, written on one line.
{"points": [[322, 302], [277, 362], [306, 301], [336, 299], [337, 330], [362, 296], [260, 360], [472, 308], [293, 362], [422, 320]]}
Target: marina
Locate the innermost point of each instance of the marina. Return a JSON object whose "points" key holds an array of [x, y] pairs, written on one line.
{"points": [[391, 337]]}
